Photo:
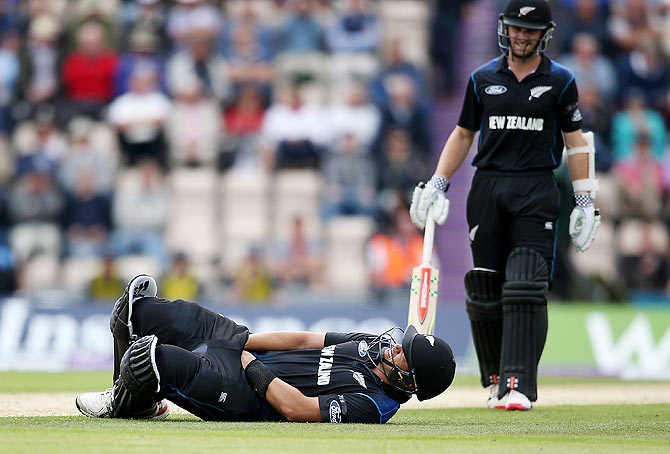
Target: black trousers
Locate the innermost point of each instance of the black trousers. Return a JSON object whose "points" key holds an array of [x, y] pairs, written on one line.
{"points": [[506, 211], [198, 359]]}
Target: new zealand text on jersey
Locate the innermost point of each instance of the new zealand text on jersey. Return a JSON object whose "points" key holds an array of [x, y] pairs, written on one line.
{"points": [[514, 122], [325, 365]]}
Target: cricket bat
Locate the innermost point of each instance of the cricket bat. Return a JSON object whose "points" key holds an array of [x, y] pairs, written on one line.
{"points": [[423, 289]]}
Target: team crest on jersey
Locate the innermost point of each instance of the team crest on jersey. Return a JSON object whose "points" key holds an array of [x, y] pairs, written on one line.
{"points": [[495, 90], [536, 92], [362, 349], [576, 116], [359, 378], [335, 411]]}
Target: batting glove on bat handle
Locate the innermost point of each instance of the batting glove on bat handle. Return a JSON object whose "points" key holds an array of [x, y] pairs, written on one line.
{"points": [[584, 222], [425, 195]]}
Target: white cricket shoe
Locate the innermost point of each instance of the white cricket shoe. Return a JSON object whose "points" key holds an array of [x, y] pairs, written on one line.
{"points": [[518, 401], [95, 405], [99, 405], [493, 402]]}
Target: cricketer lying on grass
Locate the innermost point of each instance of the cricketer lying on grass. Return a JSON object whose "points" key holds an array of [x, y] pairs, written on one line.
{"points": [[214, 368]]}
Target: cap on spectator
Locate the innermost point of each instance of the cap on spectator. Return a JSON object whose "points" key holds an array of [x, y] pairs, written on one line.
{"points": [[44, 27], [143, 40]]}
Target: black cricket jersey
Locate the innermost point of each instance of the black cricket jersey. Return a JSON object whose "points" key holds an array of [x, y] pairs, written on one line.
{"points": [[339, 375], [520, 123]]}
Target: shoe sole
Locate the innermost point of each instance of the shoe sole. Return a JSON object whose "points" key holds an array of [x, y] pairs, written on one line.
{"points": [[516, 407]]}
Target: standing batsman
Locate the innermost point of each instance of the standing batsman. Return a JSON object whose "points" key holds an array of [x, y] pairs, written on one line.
{"points": [[203, 362], [525, 107]]}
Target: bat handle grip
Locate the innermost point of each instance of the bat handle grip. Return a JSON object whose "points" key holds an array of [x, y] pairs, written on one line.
{"points": [[428, 237]]}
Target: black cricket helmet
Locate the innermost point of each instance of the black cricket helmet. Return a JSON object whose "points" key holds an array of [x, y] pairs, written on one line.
{"points": [[431, 363], [531, 14]]}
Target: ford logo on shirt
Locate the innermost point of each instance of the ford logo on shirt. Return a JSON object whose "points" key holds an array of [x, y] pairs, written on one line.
{"points": [[495, 89], [335, 411]]}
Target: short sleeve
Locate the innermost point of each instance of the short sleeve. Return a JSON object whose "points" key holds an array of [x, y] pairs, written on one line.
{"points": [[356, 408], [569, 116], [471, 112], [334, 338]]}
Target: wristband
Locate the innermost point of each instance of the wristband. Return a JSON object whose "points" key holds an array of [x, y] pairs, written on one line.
{"points": [[259, 377], [582, 200], [440, 182]]}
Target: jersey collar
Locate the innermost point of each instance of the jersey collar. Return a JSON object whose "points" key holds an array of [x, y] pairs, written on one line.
{"points": [[544, 68]]}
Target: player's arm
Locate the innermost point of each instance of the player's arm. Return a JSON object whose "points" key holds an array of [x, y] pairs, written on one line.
{"points": [[284, 340], [286, 399], [455, 150], [578, 163]]}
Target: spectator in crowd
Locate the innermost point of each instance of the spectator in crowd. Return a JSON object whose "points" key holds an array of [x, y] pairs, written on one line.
{"points": [[395, 62], [348, 187], [248, 65], [39, 138], [398, 170], [299, 260], [192, 127], [179, 282], [199, 60], [40, 61], [83, 156], [584, 16], [353, 40], [242, 122], [392, 255], [356, 30], [263, 35], [253, 281], [7, 272], [301, 44], [87, 219], [294, 133], [589, 66], [355, 115], [642, 183], [9, 62], [143, 51], [662, 23], [629, 24], [596, 117], [648, 270], [187, 17], [643, 69], [140, 213], [150, 17], [635, 119], [35, 210], [444, 30], [107, 284], [404, 111], [139, 117], [301, 33], [88, 71]]}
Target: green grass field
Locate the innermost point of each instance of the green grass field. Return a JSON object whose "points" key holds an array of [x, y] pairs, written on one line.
{"points": [[561, 429]]}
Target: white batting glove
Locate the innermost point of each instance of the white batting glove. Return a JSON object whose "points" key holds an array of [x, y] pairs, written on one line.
{"points": [[423, 197], [584, 222]]}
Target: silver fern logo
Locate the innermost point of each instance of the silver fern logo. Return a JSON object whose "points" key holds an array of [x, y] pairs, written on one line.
{"points": [[525, 10], [536, 92]]}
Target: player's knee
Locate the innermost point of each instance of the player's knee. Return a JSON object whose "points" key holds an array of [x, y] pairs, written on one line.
{"points": [[483, 294], [139, 379], [527, 278]]}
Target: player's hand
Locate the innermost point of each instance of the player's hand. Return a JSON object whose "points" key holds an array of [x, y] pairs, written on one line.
{"points": [[423, 197], [584, 222]]}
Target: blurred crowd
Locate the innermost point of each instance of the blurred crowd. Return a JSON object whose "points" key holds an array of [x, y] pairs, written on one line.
{"points": [[619, 51], [105, 103], [118, 119]]}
